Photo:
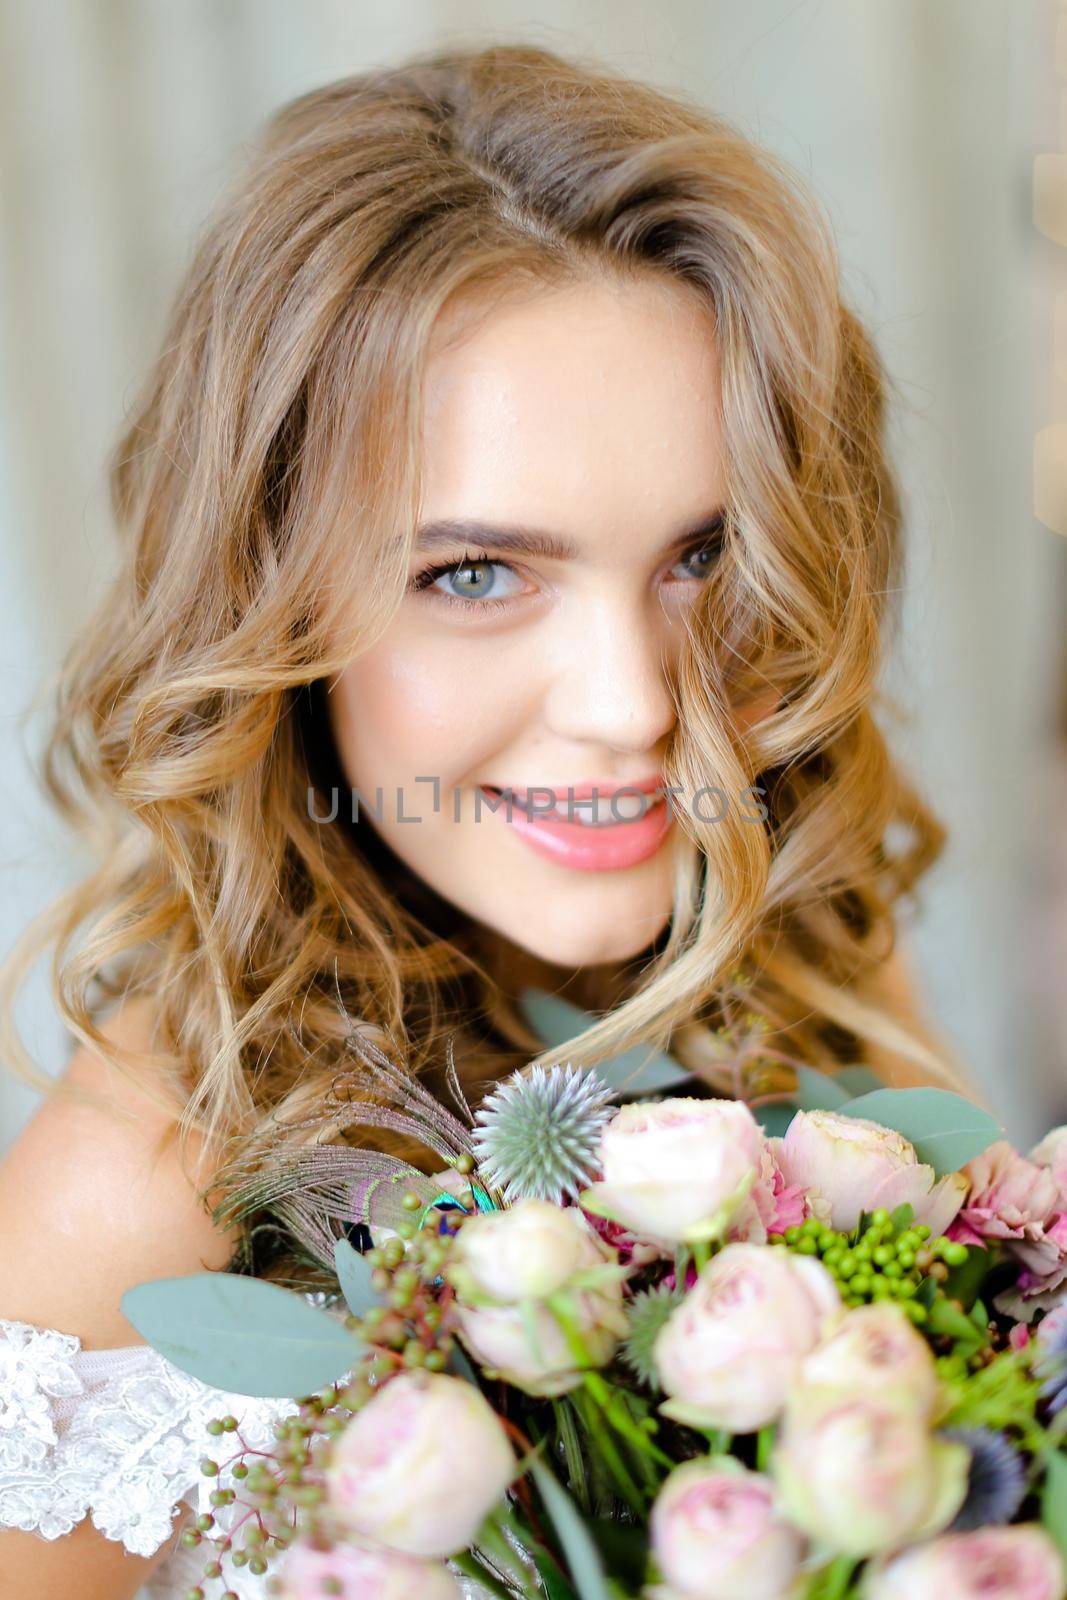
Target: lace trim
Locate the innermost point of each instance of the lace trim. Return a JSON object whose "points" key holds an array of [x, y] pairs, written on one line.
{"points": [[117, 1435], [36, 1366]]}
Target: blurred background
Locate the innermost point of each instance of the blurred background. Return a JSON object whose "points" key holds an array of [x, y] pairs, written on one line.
{"points": [[917, 122]]}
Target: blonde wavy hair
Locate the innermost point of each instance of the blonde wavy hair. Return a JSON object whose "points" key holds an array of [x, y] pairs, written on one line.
{"points": [[266, 488]]}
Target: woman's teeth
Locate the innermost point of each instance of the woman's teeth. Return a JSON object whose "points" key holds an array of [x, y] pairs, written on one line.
{"points": [[598, 812]]}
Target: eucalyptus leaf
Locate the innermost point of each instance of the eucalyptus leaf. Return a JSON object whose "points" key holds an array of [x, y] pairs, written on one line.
{"points": [[1054, 1499], [775, 1119], [641, 1070], [354, 1275], [815, 1091], [858, 1080], [818, 1091], [460, 1367], [946, 1130], [579, 1547], [241, 1334]]}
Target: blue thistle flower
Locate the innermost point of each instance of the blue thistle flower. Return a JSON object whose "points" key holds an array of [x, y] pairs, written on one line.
{"points": [[1052, 1365], [537, 1135], [996, 1483], [647, 1313]]}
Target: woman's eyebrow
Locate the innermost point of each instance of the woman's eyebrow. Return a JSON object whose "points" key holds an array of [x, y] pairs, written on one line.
{"points": [[519, 540]]}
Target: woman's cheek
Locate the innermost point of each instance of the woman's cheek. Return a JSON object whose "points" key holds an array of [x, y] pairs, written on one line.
{"points": [[420, 707]]}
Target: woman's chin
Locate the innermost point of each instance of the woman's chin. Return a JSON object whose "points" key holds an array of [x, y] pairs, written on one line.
{"points": [[586, 945]]}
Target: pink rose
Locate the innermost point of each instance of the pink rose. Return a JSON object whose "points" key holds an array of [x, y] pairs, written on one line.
{"points": [[394, 1473], [715, 1535], [1018, 1203], [863, 1473], [362, 1572], [1018, 1563], [856, 1165], [727, 1355], [875, 1349], [678, 1169]]}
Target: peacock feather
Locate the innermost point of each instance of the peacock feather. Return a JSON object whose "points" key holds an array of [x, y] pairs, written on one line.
{"points": [[323, 1191]]}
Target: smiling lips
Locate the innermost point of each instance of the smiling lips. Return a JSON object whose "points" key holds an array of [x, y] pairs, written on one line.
{"points": [[587, 829]]}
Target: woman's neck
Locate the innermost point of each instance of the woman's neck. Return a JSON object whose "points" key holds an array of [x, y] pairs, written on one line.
{"points": [[592, 988]]}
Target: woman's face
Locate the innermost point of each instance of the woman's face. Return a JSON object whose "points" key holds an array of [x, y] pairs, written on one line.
{"points": [[588, 419]]}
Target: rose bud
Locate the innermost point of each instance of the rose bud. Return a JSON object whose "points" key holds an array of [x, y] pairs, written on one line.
{"points": [[677, 1170], [1019, 1563], [875, 1349], [507, 1266], [715, 1535], [362, 1572], [729, 1353], [857, 1166], [420, 1467], [864, 1474]]}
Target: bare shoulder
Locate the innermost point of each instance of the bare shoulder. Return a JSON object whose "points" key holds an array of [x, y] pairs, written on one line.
{"points": [[95, 1198]]}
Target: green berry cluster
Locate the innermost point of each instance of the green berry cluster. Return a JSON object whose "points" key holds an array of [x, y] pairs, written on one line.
{"points": [[407, 1328], [271, 1486], [882, 1259]]}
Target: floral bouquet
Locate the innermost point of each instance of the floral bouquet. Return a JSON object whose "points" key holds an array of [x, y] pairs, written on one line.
{"points": [[677, 1348]]}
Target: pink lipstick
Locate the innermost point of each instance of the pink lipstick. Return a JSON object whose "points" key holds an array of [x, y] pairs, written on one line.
{"points": [[610, 839]]}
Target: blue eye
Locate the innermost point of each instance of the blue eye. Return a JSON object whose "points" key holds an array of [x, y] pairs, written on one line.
{"points": [[706, 557], [474, 582], [474, 578]]}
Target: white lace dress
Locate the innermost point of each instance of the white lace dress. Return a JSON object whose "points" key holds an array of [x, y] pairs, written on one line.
{"points": [[118, 1436]]}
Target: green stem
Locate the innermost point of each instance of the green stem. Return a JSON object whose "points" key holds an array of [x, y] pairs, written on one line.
{"points": [[719, 1441], [682, 1257], [615, 1411], [764, 1446], [468, 1563], [492, 1538], [833, 1581], [701, 1254], [629, 1490], [601, 1391], [572, 1450]]}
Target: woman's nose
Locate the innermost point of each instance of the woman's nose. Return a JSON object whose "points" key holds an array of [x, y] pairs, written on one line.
{"points": [[611, 681]]}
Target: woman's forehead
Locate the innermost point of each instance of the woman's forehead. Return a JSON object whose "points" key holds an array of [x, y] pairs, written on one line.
{"points": [[590, 404]]}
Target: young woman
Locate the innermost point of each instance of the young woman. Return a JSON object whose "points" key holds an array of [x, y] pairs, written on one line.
{"points": [[509, 437]]}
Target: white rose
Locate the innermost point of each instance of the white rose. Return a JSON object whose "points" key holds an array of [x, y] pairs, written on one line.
{"points": [[507, 1265]]}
